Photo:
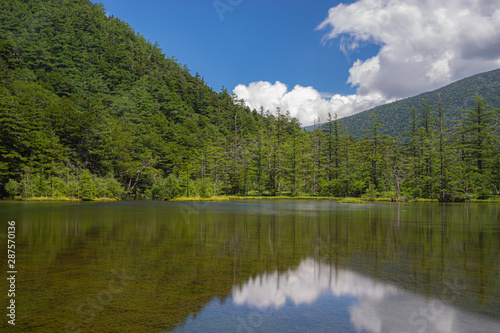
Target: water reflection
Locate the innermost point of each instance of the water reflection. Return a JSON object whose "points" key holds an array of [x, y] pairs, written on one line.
{"points": [[232, 266], [376, 307], [305, 284]]}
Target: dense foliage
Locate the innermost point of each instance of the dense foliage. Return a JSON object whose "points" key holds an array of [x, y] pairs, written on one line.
{"points": [[89, 109]]}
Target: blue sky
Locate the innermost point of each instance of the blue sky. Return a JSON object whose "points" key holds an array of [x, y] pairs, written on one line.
{"points": [[255, 40], [366, 53]]}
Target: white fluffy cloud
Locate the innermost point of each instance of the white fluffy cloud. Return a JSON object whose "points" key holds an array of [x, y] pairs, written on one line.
{"points": [[424, 45], [305, 103]]}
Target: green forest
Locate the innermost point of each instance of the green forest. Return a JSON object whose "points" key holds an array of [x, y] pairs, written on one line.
{"points": [[91, 109]]}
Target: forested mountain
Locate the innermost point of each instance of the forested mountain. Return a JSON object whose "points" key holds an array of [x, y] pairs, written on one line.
{"points": [[83, 95], [91, 109], [456, 97]]}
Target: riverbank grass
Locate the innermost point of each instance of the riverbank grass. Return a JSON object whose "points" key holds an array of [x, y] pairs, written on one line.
{"points": [[64, 199]]}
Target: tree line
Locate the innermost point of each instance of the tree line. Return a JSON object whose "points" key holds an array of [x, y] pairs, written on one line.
{"points": [[91, 109], [272, 155]]}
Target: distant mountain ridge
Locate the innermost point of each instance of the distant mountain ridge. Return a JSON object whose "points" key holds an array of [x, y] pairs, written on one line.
{"points": [[396, 117]]}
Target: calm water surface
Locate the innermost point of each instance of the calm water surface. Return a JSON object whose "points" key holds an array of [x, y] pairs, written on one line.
{"points": [[254, 266]]}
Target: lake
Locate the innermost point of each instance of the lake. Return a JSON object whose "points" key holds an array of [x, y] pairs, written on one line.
{"points": [[254, 266]]}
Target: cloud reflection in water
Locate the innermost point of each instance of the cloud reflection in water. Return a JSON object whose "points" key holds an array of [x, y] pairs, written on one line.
{"points": [[381, 307]]}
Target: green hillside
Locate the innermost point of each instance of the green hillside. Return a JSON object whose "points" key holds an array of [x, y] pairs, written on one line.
{"points": [[396, 117], [84, 95], [91, 109]]}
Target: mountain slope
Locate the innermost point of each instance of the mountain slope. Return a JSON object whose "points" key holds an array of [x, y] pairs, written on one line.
{"points": [[396, 117], [83, 92]]}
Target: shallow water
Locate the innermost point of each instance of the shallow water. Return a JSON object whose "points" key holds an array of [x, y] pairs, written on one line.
{"points": [[254, 266]]}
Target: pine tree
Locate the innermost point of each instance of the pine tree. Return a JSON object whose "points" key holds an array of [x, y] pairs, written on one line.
{"points": [[374, 140], [480, 144]]}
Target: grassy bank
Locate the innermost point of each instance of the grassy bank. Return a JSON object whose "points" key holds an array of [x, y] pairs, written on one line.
{"points": [[250, 197], [337, 199], [63, 199], [233, 198], [485, 200], [49, 199]]}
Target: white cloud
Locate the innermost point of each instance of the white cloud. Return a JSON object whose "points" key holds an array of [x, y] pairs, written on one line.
{"points": [[424, 45], [305, 103]]}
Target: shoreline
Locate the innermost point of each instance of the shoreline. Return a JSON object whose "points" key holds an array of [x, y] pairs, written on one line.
{"points": [[337, 199], [60, 199], [243, 198]]}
